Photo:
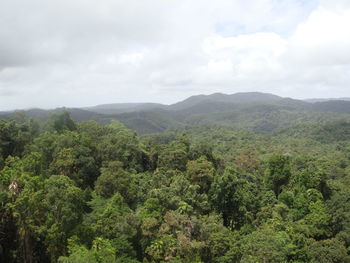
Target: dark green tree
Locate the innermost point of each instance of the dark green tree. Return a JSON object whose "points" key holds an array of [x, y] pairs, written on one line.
{"points": [[279, 172]]}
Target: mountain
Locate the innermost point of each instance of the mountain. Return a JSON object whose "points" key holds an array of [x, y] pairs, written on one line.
{"points": [[123, 107], [229, 101], [237, 98], [327, 99], [339, 106], [260, 112], [249, 97]]}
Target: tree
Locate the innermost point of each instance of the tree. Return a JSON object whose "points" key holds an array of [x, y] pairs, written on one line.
{"points": [[61, 122], [201, 172], [266, 245], [279, 172], [175, 155], [175, 241], [221, 245], [233, 198], [50, 209], [327, 251], [114, 179], [246, 159], [112, 219], [121, 144], [14, 137], [101, 251]]}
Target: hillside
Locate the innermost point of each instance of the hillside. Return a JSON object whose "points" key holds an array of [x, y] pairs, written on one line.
{"points": [[216, 181], [254, 111], [327, 99], [123, 107], [175, 131]]}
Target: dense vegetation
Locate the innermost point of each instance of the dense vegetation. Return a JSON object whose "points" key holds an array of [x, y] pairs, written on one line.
{"points": [[211, 192]]}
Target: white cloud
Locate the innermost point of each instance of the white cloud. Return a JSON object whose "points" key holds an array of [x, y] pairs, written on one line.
{"points": [[249, 53], [86, 52], [324, 39]]}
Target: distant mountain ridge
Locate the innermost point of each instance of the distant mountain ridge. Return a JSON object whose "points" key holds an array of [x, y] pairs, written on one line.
{"points": [[123, 107], [261, 112], [241, 97], [313, 100], [220, 97]]}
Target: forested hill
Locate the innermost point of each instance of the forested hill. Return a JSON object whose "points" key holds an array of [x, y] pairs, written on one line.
{"points": [[207, 193], [255, 111]]}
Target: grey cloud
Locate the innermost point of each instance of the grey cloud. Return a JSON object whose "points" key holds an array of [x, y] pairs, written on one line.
{"points": [[85, 52]]}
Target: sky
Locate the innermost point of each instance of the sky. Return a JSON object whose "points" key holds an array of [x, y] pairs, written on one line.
{"points": [[87, 52]]}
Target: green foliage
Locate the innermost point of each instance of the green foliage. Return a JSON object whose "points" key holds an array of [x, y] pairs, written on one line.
{"points": [[267, 245], [63, 206], [174, 240], [14, 137], [113, 179], [327, 251], [234, 198], [121, 144], [201, 172], [112, 210], [61, 122], [318, 219], [279, 172], [70, 154], [101, 252], [91, 193], [220, 244], [175, 155]]}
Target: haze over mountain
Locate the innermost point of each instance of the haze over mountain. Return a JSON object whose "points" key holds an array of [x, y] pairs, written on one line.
{"points": [[326, 99], [237, 98], [261, 112]]}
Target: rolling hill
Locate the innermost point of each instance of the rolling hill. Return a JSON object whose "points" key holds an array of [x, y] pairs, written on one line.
{"points": [[260, 112]]}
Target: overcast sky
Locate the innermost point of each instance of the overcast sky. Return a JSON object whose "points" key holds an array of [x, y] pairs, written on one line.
{"points": [[87, 52]]}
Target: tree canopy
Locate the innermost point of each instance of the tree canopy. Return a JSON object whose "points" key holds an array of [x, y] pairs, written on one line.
{"points": [[85, 192]]}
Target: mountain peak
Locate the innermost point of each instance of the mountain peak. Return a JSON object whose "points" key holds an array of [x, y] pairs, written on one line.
{"points": [[237, 98]]}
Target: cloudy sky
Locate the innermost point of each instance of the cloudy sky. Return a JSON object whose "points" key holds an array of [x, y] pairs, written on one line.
{"points": [[87, 52]]}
